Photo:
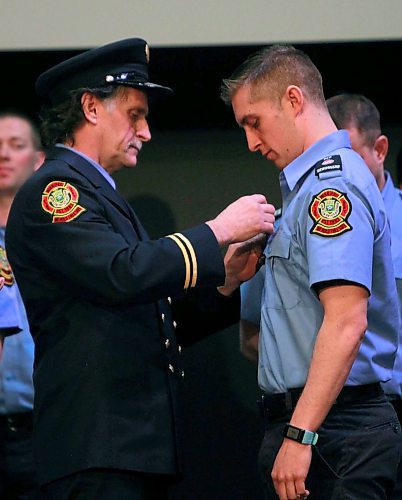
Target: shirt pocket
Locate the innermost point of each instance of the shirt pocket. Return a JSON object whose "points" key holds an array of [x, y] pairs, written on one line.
{"points": [[282, 289]]}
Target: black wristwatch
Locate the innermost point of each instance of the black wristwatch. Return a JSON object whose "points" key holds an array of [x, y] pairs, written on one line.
{"points": [[300, 435]]}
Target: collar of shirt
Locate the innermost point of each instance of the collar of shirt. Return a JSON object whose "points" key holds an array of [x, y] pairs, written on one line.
{"points": [[389, 191], [303, 163], [100, 169]]}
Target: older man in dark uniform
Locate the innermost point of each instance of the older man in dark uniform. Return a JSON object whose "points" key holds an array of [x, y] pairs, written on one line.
{"points": [[108, 307]]}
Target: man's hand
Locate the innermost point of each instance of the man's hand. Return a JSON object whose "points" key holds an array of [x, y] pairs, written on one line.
{"points": [[243, 219], [290, 470], [242, 262]]}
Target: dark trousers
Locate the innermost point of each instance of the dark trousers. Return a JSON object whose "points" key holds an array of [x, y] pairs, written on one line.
{"points": [[17, 472], [356, 456], [107, 484], [397, 494]]}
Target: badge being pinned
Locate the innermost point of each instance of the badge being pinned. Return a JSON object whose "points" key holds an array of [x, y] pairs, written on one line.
{"points": [[330, 210], [5, 268], [60, 199]]}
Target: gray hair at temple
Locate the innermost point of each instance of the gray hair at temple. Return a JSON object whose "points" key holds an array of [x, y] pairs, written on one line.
{"points": [[270, 71], [357, 111]]}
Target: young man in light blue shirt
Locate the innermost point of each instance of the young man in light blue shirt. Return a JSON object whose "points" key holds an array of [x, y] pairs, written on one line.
{"points": [[329, 316]]}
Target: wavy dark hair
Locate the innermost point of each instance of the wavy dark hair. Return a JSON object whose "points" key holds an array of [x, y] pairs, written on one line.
{"points": [[60, 122]]}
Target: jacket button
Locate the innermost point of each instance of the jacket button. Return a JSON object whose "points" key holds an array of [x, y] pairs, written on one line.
{"points": [[171, 368], [163, 317], [167, 343], [182, 374], [179, 349], [174, 325], [169, 300]]}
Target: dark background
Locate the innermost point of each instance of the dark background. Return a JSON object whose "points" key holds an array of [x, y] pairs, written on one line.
{"points": [[196, 163], [195, 73]]}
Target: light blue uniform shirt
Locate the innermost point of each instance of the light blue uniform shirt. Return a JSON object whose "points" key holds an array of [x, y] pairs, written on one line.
{"points": [[16, 364], [393, 205], [301, 254]]}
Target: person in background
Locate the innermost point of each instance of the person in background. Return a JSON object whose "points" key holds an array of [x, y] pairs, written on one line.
{"points": [[398, 164], [114, 307], [20, 155], [361, 118], [329, 311]]}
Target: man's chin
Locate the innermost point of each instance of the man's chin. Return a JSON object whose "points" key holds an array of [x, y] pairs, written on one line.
{"points": [[130, 164], [130, 161]]}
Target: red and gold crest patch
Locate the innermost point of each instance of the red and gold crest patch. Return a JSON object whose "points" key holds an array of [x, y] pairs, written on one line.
{"points": [[60, 199], [5, 268], [330, 210]]}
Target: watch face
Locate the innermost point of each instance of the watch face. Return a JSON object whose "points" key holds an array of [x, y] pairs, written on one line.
{"points": [[293, 433]]}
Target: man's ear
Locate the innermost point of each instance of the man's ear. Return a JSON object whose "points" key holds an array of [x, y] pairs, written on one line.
{"points": [[294, 97], [381, 148], [89, 104], [40, 158]]}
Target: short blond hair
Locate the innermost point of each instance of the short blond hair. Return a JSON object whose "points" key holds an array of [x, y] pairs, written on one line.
{"points": [[271, 70]]}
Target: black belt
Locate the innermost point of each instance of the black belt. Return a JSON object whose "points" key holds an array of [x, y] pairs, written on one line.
{"points": [[16, 421], [277, 405]]}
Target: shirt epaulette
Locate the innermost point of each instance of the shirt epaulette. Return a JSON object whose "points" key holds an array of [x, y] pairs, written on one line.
{"points": [[329, 166]]}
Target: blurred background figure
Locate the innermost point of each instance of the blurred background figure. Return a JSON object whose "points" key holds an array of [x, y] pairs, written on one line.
{"points": [[20, 156], [399, 168], [361, 118]]}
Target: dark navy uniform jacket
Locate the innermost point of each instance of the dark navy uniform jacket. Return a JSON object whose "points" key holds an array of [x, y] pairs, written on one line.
{"points": [[107, 334]]}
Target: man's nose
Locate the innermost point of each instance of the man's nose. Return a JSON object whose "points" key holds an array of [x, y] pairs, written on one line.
{"points": [[252, 141], [4, 150], [143, 132]]}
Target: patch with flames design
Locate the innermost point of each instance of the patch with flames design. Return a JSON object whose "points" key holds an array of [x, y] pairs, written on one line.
{"points": [[5, 268], [330, 210], [60, 199]]}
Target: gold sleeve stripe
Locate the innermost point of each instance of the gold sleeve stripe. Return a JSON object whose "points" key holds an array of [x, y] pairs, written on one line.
{"points": [[193, 257], [186, 259]]}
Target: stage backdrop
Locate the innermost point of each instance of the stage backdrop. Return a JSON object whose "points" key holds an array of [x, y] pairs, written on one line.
{"points": [[50, 24]]}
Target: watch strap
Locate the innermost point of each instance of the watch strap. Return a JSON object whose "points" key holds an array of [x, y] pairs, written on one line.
{"points": [[302, 436]]}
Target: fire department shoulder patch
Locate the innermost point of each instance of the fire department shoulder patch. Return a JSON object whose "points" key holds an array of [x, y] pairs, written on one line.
{"points": [[330, 210], [5, 268], [60, 199]]}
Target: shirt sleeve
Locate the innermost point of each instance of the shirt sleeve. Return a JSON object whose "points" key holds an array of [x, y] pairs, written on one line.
{"points": [[94, 250], [9, 318], [340, 233]]}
